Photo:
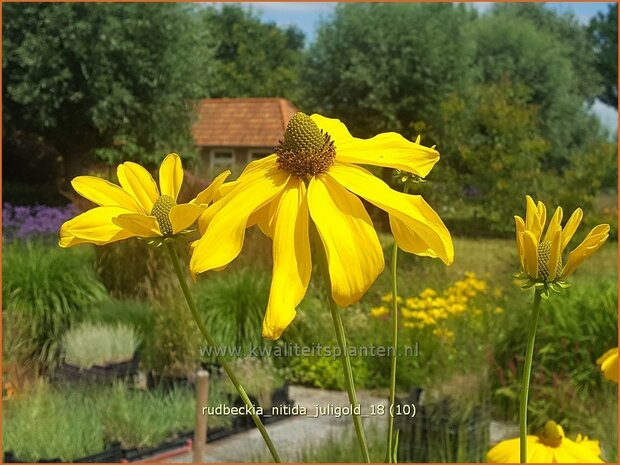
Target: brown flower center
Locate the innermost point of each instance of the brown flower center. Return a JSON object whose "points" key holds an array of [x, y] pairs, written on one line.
{"points": [[305, 151], [161, 211]]}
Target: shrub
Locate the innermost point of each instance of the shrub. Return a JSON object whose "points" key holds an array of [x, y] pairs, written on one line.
{"points": [[233, 305], [39, 221], [48, 288], [88, 344], [137, 314]]}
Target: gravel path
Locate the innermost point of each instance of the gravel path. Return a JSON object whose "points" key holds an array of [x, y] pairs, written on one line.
{"points": [[304, 431]]}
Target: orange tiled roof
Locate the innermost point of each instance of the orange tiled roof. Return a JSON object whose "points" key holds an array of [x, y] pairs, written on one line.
{"points": [[242, 122]]}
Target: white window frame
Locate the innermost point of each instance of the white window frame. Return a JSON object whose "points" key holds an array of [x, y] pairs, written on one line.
{"points": [[220, 164], [265, 151]]}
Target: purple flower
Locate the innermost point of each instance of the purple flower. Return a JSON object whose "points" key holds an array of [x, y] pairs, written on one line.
{"points": [[23, 222]]}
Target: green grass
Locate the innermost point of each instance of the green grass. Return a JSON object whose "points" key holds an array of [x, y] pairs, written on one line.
{"points": [[91, 344], [72, 422], [45, 289]]}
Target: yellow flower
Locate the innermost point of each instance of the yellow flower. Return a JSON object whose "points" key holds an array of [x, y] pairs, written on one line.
{"points": [[314, 175], [609, 364], [378, 312], [541, 256], [551, 446], [499, 310], [136, 208], [428, 293]]}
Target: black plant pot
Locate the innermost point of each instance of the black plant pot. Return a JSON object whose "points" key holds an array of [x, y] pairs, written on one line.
{"points": [[101, 373]]}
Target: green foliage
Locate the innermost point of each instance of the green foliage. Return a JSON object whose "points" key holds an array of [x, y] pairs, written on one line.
{"points": [[47, 289], [494, 147], [87, 344], [233, 304], [172, 348], [48, 424], [604, 31], [133, 269], [103, 76], [252, 58], [133, 313], [534, 48], [368, 68], [325, 372], [72, 422]]}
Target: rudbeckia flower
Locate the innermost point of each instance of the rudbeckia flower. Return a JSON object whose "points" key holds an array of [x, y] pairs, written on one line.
{"points": [[541, 255], [551, 446], [314, 175], [136, 208], [609, 364]]}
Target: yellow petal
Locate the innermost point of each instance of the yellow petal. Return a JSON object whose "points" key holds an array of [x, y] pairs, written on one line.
{"points": [[531, 213], [519, 228], [354, 254], [334, 127], [555, 252], [263, 219], [94, 226], [571, 227], [609, 364], [593, 241], [212, 192], [418, 228], [504, 452], [227, 218], [388, 149], [542, 216], [572, 452], [139, 183], [539, 453], [262, 164], [530, 256], [183, 216], [139, 225], [556, 222], [291, 258], [171, 176], [104, 193]]}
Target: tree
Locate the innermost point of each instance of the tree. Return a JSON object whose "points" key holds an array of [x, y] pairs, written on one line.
{"points": [[113, 78], [604, 31], [380, 66], [518, 47], [253, 59]]}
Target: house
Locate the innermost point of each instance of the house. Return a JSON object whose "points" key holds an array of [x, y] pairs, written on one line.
{"points": [[235, 131]]}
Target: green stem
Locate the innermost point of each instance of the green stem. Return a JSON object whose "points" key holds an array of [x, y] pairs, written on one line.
{"points": [[390, 432], [527, 371], [233, 378], [344, 350]]}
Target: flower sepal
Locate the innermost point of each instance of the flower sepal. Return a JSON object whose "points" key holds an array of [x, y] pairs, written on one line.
{"points": [[543, 287]]}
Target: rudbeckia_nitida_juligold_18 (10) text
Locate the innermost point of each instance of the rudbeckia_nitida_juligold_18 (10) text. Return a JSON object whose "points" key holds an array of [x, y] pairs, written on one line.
{"points": [[138, 208], [543, 268]]}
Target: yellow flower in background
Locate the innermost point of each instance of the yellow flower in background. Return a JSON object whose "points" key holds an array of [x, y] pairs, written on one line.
{"points": [[551, 446], [136, 208], [541, 255], [378, 312], [609, 364], [314, 174]]}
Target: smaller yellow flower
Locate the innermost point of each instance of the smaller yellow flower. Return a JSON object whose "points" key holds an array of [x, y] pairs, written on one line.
{"points": [[378, 312], [499, 310], [550, 446], [136, 208], [428, 293], [541, 255], [388, 298], [609, 364]]}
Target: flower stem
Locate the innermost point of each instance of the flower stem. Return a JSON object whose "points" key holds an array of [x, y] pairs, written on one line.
{"points": [[344, 350], [525, 384], [174, 257], [390, 433]]}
